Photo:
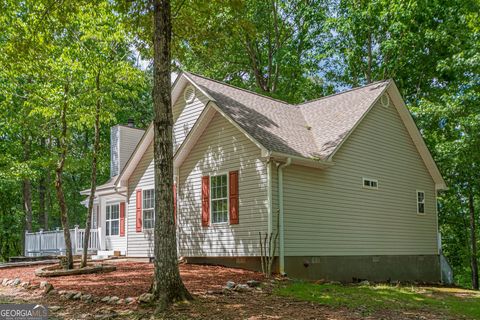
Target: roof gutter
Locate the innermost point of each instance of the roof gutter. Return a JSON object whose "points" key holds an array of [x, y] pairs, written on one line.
{"points": [[281, 214], [302, 161]]}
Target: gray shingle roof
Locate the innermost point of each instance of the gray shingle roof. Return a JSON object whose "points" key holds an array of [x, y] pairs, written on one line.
{"points": [[312, 130]]}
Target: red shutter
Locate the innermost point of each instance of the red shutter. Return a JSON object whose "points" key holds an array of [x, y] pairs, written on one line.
{"points": [[205, 201], [233, 197], [122, 219], [139, 211], [175, 203]]}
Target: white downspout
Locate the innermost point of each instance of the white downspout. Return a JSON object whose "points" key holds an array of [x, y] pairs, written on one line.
{"points": [[281, 214], [269, 197]]}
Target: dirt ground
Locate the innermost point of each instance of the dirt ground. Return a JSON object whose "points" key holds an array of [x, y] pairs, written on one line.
{"points": [[131, 279], [204, 282]]}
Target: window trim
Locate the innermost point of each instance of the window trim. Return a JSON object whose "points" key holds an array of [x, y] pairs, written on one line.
{"points": [[211, 198], [418, 203], [371, 180], [143, 209], [109, 204]]}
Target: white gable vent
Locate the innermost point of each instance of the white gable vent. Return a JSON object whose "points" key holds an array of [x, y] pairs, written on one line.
{"points": [[385, 100], [189, 94]]}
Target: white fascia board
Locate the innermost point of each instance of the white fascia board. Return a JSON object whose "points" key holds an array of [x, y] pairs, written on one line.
{"points": [[359, 121], [236, 125], [416, 137], [135, 158], [193, 135]]}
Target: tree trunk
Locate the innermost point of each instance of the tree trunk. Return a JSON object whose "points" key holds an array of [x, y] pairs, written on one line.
{"points": [[96, 147], [41, 202], [42, 193], [473, 239], [59, 183], [369, 58], [167, 285], [27, 203], [27, 190]]}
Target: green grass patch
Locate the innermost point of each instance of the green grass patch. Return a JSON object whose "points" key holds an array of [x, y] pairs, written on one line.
{"points": [[370, 299]]}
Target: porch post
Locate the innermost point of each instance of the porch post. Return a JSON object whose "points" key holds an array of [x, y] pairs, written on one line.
{"points": [[56, 241], [100, 238], [40, 237], [25, 243], [76, 238]]}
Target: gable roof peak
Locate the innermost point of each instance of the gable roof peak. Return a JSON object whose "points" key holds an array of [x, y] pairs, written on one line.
{"points": [[346, 91], [237, 88]]}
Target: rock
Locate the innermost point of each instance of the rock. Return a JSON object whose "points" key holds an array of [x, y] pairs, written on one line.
{"points": [[253, 283], [69, 295], [4, 282], [25, 285], [242, 287], [106, 316], [129, 314], [86, 297], [43, 284], [54, 308], [364, 283], [113, 299], [129, 300], [230, 285], [145, 298], [105, 299], [47, 288], [33, 287], [77, 296], [16, 282], [62, 292], [121, 301]]}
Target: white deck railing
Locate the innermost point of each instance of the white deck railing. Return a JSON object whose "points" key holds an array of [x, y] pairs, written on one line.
{"points": [[53, 242]]}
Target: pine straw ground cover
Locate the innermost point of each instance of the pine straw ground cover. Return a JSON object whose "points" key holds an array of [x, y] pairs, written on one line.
{"points": [[276, 300]]}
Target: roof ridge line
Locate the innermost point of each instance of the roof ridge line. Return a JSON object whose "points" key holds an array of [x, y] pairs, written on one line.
{"points": [[239, 88], [342, 92]]}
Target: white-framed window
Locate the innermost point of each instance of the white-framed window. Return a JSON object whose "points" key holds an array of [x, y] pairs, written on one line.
{"points": [[219, 198], [420, 202], [112, 219], [148, 209], [370, 183]]}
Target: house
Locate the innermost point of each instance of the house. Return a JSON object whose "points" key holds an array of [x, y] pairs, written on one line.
{"points": [[346, 181]]}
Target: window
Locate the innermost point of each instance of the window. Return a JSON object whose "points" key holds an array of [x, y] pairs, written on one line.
{"points": [[420, 202], [148, 209], [112, 220], [219, 198], [370, 183]]}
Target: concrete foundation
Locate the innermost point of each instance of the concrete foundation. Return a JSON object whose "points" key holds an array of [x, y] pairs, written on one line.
{"points": [[424, 268]]}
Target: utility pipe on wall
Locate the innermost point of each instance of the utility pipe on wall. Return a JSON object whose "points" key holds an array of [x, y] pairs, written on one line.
{"points": [[281, 215]]}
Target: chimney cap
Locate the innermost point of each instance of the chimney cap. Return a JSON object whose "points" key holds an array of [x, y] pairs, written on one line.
{"points": [[130, 123]]}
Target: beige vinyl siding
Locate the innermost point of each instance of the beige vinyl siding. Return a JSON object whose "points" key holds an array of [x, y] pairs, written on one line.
{"points": [[329, 213], [185, 115], [220, 149], [140, 244], [128, 140]]}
